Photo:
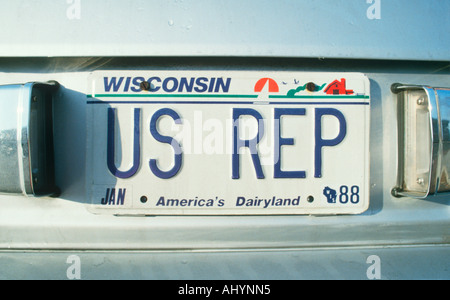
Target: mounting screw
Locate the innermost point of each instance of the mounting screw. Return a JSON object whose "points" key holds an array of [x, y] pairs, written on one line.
{"points": [[395, 192], [395, 88], [310, 86], [144, 85]]}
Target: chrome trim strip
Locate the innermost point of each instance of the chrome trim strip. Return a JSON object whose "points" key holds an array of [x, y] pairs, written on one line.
{"points": [[439, 111]]}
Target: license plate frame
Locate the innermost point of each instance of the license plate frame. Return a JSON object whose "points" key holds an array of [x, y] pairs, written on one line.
{"points": [[264, 143]]}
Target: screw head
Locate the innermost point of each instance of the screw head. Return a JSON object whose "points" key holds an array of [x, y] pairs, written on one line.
{"points": [[395, 192], [144, 85], [311, 86]]}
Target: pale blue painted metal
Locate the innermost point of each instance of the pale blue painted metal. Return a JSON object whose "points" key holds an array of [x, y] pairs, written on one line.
{"points": [[381, 29], [421, 262]]}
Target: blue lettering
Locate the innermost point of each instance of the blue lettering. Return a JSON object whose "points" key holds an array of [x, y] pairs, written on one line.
{"points": [[111, 144], [112, 197], [168, 140], [121, 196], [160, 201], [136, 82], [320, 142], [184, 84], [240, 201], [113, 83], [156, 88], [220, 84], [169, 84], [211, 84], [127, 84], [201, 84], [278, 173], [251, 144], [173, 86], [105, 200]]}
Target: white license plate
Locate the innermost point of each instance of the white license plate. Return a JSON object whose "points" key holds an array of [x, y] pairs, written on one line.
{"points": [[232, 142]]}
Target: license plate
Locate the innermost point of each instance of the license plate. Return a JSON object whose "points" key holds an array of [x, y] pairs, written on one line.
{"points": [[227, 143]]}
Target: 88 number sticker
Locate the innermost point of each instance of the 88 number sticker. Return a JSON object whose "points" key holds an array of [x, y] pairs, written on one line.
{"points": [[345, 194]]}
